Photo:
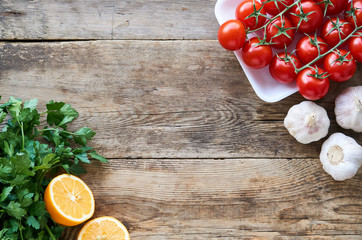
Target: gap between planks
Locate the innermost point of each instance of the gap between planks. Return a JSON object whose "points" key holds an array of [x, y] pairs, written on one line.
{"points": [[211, 158], [98, 39]]}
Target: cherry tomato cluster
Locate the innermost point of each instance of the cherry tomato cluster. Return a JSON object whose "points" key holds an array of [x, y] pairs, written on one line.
{"points": [[329, 49]]}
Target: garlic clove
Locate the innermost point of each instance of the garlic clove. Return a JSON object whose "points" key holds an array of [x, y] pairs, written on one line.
{"points": [[348, 108], [341, 156], [307, 122]]}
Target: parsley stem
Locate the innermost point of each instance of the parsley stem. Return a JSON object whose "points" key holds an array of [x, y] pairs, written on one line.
{"points": [[40, 177], [54, 129], [21, 230], [22, 134], [50, 232], [21, 125]]}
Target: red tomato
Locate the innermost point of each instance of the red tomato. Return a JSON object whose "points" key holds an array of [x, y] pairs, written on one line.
{"points": [[275, 7], [357, 6], [280, 24], [282, 69], [256, 56], [333, 6], [244, 9], [355, 46], [330, 34], [340, 65], [231, 35], [312, 12], [307, 50], [312, 85]]}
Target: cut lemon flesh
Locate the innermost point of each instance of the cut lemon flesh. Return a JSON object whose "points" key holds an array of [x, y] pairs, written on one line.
{"points": [[104, 228], [69, 200]]}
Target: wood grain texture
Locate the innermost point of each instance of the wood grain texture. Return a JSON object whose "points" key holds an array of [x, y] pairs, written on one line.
{"points": [[194, 153], [108, 19], [159, 99], [226, 199]]}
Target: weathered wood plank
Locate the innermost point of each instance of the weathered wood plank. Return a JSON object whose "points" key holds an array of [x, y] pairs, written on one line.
{"points": [[109, 19], [159, 99], [226, 199]]}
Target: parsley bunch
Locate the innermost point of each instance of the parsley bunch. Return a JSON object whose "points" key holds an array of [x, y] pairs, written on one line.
{"points": [[29, 157]]}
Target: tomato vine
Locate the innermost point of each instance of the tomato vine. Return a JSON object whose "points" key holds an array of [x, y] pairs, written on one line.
{"points": [[302, 17], [327, 24]]}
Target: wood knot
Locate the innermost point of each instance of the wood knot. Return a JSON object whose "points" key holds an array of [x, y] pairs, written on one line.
{"points": [[13, 13]]}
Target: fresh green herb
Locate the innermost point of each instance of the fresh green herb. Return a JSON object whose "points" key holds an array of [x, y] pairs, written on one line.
{"points": [[29, 156]]}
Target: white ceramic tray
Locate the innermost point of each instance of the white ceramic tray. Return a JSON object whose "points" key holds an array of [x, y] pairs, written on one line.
{"points": [[263, 84]]}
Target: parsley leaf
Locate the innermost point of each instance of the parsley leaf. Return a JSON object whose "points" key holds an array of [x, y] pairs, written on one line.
{"points": [[98, 157], [5, 193], [31, 104], [60, 114], [82, 135], [37, 209], [14, 209], [31, 221], [28, 159]]}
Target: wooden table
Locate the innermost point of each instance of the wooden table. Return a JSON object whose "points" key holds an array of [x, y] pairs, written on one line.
{"points": [[194, 153]]}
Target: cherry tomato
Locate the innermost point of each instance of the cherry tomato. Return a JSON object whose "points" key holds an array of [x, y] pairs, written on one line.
{"points": [[307, 50], [330, 34], [280, 24], [313, 14], [231, 35], [244, 9], [275, 7], [357, 6], [256, 56], [340, 65], [282, 69], [355, 46], [312, 84], [333, 6]]}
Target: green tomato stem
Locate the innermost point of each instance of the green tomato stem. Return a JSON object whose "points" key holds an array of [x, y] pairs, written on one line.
{"points": [[320, 56], [275, 17], [329, 51]]}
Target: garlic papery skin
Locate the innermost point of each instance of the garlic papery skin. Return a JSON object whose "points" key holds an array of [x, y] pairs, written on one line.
{"points": [[348, 109], [341, 156], [307, 122]]}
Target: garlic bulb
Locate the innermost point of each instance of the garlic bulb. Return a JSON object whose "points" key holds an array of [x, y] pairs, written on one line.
{"points": [[348, 109], [341, 156], [307, 122]]}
